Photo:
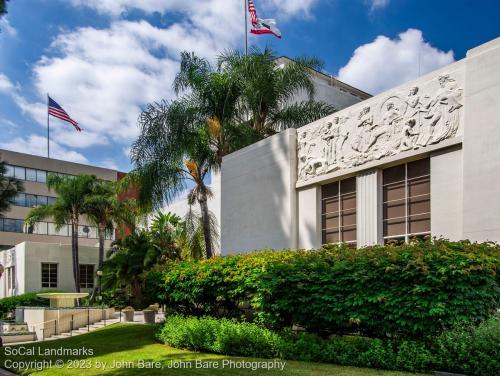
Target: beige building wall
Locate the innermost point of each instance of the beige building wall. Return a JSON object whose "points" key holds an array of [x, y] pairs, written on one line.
{"points": [[9, 239]]}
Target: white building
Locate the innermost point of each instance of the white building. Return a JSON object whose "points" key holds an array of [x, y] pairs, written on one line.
{"points": [[420, 159], [31, 266]]}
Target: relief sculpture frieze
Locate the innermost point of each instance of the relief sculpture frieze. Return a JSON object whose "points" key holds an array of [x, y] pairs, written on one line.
{"points": [[397, 122]]}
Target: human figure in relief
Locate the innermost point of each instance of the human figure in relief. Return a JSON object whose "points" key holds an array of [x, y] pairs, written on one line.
{"points": [[443, 117]]}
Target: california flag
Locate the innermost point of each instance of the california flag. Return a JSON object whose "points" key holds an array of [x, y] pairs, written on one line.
{"points": [[262, 26]]}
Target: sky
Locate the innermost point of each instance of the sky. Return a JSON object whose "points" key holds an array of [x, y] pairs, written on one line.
{"points": [[103, 61]]}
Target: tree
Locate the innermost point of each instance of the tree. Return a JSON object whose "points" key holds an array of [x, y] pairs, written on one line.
{"points": [[268, 95], [69, 205], [3, 7], [104, 209], [163, 171], [9, 188], [124, 267]]}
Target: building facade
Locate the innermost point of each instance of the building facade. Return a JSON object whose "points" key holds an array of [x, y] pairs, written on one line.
{"points": [[422, 159], [31, 266], [32, 171]]}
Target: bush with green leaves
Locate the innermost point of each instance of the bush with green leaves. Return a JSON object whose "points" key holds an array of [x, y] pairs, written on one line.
{"points": [[397, 291], [24, 300], [473, 351], [221, 336]]}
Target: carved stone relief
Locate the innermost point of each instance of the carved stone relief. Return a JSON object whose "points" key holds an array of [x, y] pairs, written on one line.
{"points": [[399, 122]]}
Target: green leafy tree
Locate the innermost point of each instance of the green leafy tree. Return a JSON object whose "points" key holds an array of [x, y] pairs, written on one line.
{"points": [[3, 7], [9, 188], [267, 95], [106, 211], [124, 268], [69, 206]]}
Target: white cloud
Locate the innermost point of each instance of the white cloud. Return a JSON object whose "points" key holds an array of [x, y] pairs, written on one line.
{"points": [[109, 163], [385, 63], [5, 84], [378, 4], [6, 28], [37, 145]]}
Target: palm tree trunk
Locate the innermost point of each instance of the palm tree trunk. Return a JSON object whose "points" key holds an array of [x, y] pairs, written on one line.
{"points": [[102, 233], [205, 218], [74, 250]]}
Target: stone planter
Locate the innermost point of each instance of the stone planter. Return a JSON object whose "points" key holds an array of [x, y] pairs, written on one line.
{"points": [[128, 315], [149, 316]]}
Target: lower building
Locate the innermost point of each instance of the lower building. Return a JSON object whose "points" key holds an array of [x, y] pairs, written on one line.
{"points": [[419, 160], [31, 266]]}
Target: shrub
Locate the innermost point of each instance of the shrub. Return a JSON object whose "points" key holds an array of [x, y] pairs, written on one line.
{"points": [[24, 300], [219, 336], [473, 351], [404, 291]]}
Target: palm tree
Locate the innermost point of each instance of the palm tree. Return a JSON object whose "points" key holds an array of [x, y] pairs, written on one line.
{"points": [[106, 211], [268, 94], [9, 188], [69, 205], [162, 173], [124, 266]]}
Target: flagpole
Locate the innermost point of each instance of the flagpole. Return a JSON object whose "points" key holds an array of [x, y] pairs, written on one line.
{"points": [[48, 128], [246, 26]]}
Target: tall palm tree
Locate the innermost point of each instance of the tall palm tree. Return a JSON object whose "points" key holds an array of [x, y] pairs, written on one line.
{"points": [[106, 211], [268, 94], [162, 173], [9, 188], [68, 207]]}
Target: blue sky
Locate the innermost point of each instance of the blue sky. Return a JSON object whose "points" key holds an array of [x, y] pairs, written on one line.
{"points": [[104, 60]]}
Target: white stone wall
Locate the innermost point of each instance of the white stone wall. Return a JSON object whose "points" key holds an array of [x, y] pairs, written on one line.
{"points": [[481, 152], [259, 203]]}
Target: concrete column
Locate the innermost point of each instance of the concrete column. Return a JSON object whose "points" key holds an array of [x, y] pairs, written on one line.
{"points": [[481, 143], [369, 208], [309, 217]]}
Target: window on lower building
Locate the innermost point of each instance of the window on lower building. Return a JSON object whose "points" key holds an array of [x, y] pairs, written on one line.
{"points": [[338, 209], [86, 276], [49, 275], [407, 201], [11, 277]]}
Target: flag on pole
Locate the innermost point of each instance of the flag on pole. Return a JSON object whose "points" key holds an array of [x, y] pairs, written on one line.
{"points": [[262, 26], [58, 112]]}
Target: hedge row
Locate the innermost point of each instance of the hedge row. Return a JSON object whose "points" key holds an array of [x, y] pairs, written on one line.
{"points": [[409, 291], [24, 300], [470, 350]]}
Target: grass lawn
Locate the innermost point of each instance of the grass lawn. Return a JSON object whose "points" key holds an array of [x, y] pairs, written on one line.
{"points": [[134, 343]]}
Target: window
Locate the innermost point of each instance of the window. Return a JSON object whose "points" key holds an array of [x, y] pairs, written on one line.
{"points": [[407, 201], [51, 200], [41, 176], [20, 199], [9, 171], [338, 208], [30, 201], [30, 174], [86, 276], [49, 275], [41, 200], [11, 277], [20, 173]]}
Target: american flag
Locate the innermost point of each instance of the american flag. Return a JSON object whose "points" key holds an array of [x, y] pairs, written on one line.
{"points": [[58, 112], [262, 26]]}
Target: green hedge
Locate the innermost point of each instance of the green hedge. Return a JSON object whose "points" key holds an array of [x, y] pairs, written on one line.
{"points": [[409, 291], [27, 300], [471, 350]]}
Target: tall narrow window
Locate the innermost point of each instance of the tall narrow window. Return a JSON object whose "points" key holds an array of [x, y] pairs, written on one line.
{"points": [[11, 277], [49, 275], [86, 276], [407, 201], [338, 207]]}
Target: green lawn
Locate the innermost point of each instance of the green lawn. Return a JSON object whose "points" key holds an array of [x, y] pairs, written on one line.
{"points": [[134, 342]]}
